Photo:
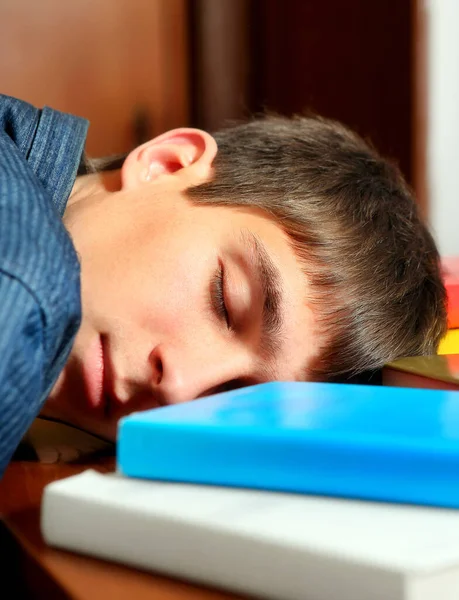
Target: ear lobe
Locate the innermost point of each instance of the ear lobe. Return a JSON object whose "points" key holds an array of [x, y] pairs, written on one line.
{"points": [[185, 153]]}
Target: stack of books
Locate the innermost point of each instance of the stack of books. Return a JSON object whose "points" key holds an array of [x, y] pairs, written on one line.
{"points": [[440, 371], [429, 372], [284, 491], [450, 267]]}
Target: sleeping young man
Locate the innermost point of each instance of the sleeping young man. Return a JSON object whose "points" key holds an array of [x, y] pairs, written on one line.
{"points": [[277, 249]]}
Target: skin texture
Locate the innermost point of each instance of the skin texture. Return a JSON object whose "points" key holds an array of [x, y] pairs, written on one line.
{"points": [[150, 263]]}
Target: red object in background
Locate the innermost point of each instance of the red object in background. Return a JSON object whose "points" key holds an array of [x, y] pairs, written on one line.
{"points": [[450, 268]]}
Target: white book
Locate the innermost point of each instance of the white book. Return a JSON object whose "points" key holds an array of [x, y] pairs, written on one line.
{"points": [[264, 544]]}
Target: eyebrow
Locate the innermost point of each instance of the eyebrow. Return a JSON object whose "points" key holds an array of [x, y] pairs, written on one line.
{"points": [[271, 284]]}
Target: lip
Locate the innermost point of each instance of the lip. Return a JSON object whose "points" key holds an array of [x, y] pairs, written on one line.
{"points": [[99, 381], [93, 374]]}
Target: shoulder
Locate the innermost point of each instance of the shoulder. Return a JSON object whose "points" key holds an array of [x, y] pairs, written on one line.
{"points": [[35, 248]]}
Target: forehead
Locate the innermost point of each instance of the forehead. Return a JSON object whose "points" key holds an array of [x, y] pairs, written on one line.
{"points": [[301, 339]]}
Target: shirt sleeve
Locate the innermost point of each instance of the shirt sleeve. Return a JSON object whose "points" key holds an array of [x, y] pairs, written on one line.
{"points": [[40, 308]]}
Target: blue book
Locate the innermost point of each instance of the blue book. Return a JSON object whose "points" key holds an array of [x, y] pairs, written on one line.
{"points": [[354, 441]]}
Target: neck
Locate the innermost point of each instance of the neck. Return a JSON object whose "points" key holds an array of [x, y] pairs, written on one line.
{"points": [[94, 184]]}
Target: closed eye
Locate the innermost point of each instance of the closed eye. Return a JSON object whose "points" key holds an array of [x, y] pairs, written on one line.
{"points": [[217, 293]]}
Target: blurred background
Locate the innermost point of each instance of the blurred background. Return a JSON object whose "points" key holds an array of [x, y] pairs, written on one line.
{"points": [[135, 68]]}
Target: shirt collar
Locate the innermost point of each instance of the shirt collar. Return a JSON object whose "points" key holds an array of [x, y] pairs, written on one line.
{"points": [[55, 153]]}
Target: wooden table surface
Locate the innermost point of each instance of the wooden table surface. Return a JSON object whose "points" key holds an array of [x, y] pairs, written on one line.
{"points": [[37, 571]]}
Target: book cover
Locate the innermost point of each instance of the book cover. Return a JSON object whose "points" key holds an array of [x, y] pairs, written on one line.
{"points": [[430, 372], [357, 441], [450, 268], [261, 544], [450, 343]]}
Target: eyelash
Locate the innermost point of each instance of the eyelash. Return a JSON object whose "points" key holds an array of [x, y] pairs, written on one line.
{"points": [[218, 296]]}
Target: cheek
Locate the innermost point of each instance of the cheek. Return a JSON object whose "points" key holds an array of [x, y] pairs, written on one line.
{"points": [[159, 284], [173, 295]]}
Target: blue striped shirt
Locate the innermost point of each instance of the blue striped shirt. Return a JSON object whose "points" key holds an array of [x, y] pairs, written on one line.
{"points": [[40, 310]]}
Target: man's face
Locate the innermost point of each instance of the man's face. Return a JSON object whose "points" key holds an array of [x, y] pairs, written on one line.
{"points": [[179, 301]]}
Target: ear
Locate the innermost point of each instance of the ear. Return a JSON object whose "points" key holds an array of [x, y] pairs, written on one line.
{"points": [[186, 154]]}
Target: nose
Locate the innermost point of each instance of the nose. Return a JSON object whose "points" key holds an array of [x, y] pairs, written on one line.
{"points": [[178, 376]]}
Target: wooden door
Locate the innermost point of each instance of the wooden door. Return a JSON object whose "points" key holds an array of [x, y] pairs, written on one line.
{"points": [[123, 64]]}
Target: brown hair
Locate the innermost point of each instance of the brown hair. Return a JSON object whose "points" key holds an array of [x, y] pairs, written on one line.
{"points": [[372, 264]]}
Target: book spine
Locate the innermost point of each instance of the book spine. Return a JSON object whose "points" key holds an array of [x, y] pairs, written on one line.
{"points": [[201, 553], [351, 467]]}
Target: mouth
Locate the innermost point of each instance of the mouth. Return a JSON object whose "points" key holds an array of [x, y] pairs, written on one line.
{"points": [[107, 382], [95, 377], [110, 402], [107, 406], [99, 378]]}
